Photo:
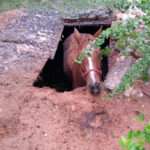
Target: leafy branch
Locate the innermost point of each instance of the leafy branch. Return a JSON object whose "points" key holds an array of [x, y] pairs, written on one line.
{"points": [[136, 139]]}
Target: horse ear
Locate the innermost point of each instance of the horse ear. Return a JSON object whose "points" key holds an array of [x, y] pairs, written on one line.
{"points": [[98, 32], [76, 33]]}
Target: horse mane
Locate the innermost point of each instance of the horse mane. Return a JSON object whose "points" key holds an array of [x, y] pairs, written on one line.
{"points": [[72, 42]]}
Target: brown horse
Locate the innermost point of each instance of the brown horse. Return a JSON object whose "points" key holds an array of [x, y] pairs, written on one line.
{"points": [[88, 72]]}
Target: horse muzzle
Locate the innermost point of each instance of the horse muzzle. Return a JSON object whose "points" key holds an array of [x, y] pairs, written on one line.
{"points": [[95, 88]]}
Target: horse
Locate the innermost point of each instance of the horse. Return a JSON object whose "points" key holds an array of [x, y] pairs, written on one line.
{"points": [[88, 72]]}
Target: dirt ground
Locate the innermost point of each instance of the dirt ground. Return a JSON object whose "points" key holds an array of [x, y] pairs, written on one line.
{"points": [[42, 119]]}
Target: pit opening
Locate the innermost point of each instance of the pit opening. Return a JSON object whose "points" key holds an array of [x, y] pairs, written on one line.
{"points": [[52, 74]]}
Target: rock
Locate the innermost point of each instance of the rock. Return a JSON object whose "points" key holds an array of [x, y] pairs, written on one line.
{"points": [[101, 15], [28, 38], [112, 58], [101, 12], [9, 16], [130, 14], [134, 93], [146, 89], [117, 71]]}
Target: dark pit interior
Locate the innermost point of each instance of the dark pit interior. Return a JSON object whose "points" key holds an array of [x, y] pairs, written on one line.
{"points": [[52, 74]]}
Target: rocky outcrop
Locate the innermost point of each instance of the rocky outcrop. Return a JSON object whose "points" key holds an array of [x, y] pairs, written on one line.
{"points": [[101, 15], [117, 71], [28, 38]]}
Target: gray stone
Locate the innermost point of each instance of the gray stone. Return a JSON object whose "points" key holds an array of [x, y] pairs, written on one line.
{"points": [[29, 40], [101, 15], [118, 70]]}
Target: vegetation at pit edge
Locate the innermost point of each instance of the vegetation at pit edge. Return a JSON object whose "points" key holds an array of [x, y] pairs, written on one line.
{"points": [[136, 139], [128, 40]]}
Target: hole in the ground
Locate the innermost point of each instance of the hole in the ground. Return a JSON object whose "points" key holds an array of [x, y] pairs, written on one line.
{"points": [[52, 74]]}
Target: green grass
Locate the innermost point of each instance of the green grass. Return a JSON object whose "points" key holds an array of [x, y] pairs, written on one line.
{"points": [[64, 6], [13, 4], [136, 139]]}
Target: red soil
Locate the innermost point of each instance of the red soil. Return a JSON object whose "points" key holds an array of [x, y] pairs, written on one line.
{"points": [[43, 119]]}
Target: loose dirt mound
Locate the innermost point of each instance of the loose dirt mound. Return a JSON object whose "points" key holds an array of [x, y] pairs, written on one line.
{"points": [[42, 119]]}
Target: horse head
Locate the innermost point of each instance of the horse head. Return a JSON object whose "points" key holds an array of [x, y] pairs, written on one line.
{"points": [[90, 66]]}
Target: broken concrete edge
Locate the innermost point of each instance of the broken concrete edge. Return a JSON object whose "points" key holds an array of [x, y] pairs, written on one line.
{"points": [[90, 13], [90, 22], [99, 16]]}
